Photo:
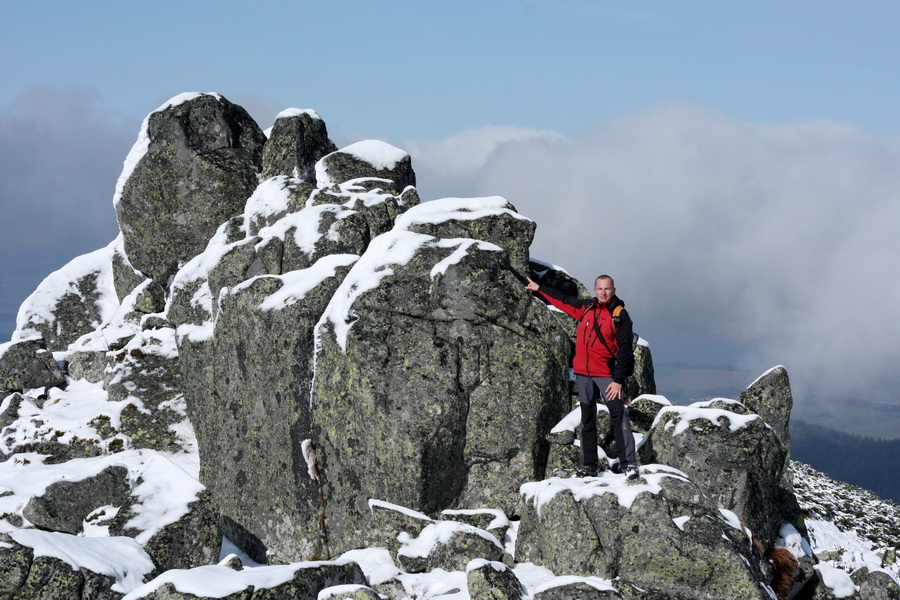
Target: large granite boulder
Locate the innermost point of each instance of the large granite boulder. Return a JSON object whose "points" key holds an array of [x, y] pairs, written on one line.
{"points": [[657, 537], [193, 167], [298, 140], [419, 397], [245, 310], [737, 459]]}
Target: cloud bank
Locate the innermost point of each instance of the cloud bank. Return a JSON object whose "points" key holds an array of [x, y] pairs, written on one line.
{"points": [[733, 243], [60, 157]]}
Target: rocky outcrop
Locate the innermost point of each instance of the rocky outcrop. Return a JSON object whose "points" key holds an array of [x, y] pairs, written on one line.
{"points": [[735, 458], [351, 373], [193, 167], [770, 397], [298, 140], [658, 536]]}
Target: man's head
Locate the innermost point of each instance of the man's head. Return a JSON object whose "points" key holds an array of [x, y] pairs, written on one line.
{"points": [[604, 288]]}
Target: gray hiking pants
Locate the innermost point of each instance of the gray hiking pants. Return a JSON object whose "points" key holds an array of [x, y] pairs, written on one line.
{"points": [[590, 390]]}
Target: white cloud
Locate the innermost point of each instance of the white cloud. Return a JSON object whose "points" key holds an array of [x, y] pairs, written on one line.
{"points": [[774, 243]]}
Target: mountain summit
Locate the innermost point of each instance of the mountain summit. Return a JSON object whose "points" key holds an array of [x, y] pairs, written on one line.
{"points": [[289, 377]]}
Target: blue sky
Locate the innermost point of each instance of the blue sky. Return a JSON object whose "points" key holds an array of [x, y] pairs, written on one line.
{"points": [[733, 164]]}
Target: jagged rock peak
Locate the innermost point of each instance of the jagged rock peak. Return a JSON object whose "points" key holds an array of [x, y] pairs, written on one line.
{"points": [[193, 166], [297, 141]]}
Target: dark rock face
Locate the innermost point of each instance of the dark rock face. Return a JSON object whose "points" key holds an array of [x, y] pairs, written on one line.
{"points": [[421, 396], [298, 140], [27, 365], [66, 504], [200, 166]]}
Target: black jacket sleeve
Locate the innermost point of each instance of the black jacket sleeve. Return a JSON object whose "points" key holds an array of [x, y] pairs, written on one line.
{"points": [[625, 355]]}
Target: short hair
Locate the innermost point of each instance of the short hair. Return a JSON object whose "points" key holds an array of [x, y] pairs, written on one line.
{"points": [[599, 277]]}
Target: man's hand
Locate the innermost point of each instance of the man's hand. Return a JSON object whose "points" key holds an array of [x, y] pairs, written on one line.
{"points": [[613, 391], [531, 286]]}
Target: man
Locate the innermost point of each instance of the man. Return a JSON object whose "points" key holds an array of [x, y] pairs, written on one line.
{"points": [[604, 358]]}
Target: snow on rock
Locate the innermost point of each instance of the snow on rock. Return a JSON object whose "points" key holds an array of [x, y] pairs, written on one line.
{"points": [[219, 581], [121, 558], [297, 112], [87, 278], [837, 580], [398, 246], [462, 209], [541, 492], [686, 414]]}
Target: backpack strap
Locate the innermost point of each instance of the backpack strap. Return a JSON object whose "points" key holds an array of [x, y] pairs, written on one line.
{"points": [[616, 317]]}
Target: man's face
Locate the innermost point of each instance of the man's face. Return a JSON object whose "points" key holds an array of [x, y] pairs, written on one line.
{"points": [[604, 290]]}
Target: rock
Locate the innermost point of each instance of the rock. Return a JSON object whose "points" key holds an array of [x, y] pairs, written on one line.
{"points": [[146, 375], [27, 365], [298, 140], [125, 276], [492, 581], [448, 545], [643, 410], [251, 382], [10, 409], [192, 168], [467, 428], [61, 567], [302, 581], [365, 160], [875, 585], [643, 380], [770, 397], [192, 540], [659, 534], [15, 564], [70, 302], [736, 459], [583, 588], [65, 505], [493, 521], [389, 521], [349, 592], [464, 218]]}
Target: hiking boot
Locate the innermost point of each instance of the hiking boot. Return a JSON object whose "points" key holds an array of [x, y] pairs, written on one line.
{"points": [[631, 472], [587, 471]]}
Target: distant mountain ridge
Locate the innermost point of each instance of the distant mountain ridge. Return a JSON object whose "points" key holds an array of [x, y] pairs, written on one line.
{"points": [[862, 461]]}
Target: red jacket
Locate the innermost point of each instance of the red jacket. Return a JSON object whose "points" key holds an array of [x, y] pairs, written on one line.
{"points": [[601, 350]]}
